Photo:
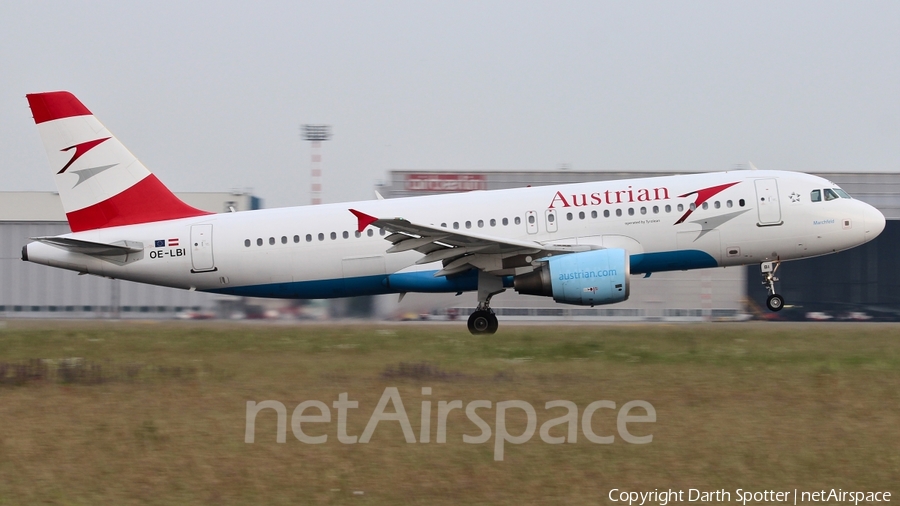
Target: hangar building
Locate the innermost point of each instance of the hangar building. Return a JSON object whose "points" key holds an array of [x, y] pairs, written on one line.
{"points": [[864, 279]]}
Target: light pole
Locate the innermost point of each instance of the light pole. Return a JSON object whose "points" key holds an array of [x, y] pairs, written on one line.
{"points": [[315, 134]]}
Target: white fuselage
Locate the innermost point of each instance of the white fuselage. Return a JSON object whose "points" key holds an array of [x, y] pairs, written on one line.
{"points": [[744, 217]]}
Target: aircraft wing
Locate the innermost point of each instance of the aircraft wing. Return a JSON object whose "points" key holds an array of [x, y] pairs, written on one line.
{"points": [[460, 251]]}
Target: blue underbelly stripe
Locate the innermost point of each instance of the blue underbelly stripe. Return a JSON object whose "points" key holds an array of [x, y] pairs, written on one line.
{"points": [[671, 261], [426, 282]]}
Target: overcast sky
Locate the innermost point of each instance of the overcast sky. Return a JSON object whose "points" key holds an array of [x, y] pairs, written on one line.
{"points": [[211, 95]]}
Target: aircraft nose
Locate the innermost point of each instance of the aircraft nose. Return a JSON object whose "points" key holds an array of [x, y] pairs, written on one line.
{"points": [[874, 223]]}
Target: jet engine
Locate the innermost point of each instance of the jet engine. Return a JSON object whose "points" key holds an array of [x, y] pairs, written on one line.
{"points": [[586, 279]]}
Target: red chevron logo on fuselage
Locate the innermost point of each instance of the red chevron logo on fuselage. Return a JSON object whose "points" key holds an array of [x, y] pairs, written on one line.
{"points": [[81, 149], [702, 196]]}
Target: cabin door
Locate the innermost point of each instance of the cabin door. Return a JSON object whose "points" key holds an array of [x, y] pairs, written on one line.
{"points": [[201, 248], [768, 206]]}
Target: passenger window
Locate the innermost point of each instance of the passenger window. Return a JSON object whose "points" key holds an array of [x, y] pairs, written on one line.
{"points": [[630, 211], [693, 206], [493, 222], [569, 216], [518, 221], [468, 224], [593, 214], [296, 238], [455, 225], [551, 218], [815, 196], [830, 195], [668, 208], [680, 207], [370, 233], [705, 206], [505, 222], [717, 205], [321, 236], [643, 210], [728, 204], [308, 237], [444, 225], [606, 213], [655, 209], [531, 219], [480, 223], [259, 242], [357, 234], [619, 212], [346, 235], [381, 231], [284, 239], [271, 240], [581, 215], [333, 236], [247, 243], [741, 202]]}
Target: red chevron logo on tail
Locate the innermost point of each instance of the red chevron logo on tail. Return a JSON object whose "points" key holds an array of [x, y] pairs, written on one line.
{"points": [[81, 149]]}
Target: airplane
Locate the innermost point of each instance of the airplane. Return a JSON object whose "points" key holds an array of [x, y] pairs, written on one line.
{"points": [[577, 243]]}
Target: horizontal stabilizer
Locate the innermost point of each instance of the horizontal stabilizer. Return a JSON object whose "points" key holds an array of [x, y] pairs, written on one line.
{"points": [[96, 249]]}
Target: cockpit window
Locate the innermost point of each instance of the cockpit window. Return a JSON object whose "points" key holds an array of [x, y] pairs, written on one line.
{"points": [[830, 195], [815, 196], [842, 193]]}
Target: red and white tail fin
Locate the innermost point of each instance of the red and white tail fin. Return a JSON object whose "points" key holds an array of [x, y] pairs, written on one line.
{"points": [[100, 182]]}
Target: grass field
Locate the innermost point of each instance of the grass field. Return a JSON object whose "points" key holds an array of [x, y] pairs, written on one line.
{"points": [[155, 413]]}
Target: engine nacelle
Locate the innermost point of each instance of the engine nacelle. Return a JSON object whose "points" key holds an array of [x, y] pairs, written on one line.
{"points": [[587, 279]]}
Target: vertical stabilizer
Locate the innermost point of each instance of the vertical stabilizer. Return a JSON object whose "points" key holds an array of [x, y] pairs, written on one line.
{"points": [[100, 182]]}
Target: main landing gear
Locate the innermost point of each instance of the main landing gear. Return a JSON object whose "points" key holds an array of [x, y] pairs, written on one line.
{"points": [[483, 320], [774, 302]]}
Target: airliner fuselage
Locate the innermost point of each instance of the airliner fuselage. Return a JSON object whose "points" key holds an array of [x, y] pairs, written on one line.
{"points": [[578, 243]]}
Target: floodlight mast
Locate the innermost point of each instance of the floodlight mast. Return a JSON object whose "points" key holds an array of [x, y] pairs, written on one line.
{"points": [[316, 134]]}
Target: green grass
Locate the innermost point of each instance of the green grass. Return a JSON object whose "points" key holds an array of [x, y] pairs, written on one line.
{"points": [[154, 413]]}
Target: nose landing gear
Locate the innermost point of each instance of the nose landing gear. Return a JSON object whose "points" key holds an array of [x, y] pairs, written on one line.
{"points": [[774, 302]]}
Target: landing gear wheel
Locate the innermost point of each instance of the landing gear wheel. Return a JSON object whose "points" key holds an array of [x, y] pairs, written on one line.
{"points": [[483, 322], [775, 302], [493, 324]]}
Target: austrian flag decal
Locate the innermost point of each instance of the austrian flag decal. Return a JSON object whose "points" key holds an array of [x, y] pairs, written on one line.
{"points": [[173, 242]]}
